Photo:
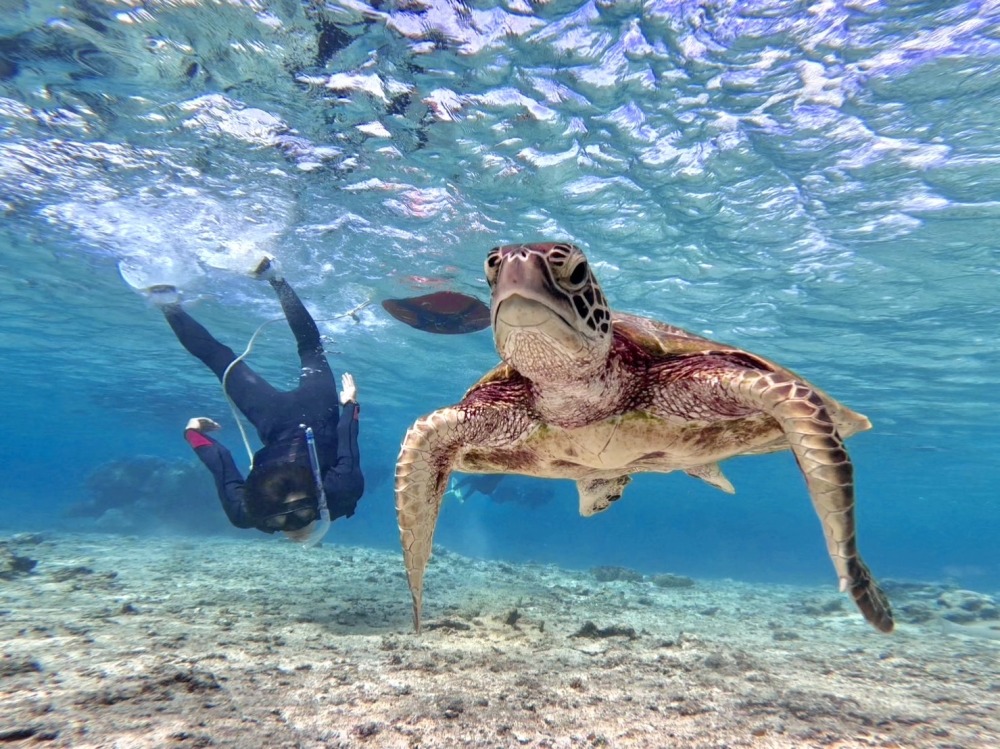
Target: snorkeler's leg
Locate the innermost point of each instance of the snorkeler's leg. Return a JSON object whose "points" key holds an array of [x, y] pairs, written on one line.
{"points": [[197, 340], [303, 327], [248, 390]]}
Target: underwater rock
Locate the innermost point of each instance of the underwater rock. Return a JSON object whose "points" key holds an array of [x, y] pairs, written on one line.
{"points": [[593, 632], [668, 580], [814, 608], [11, 665], [916, 613], [12, 565], [116, 521], [148, 493], [785, 635], [22, 733], [902, 588], [71, 572], [449, 624], [611, 574], [966, 606], [367, 730], [26, 539], [921, 602]]}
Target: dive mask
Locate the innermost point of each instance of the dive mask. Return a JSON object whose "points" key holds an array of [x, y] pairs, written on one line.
{"points": [[295, 516]]}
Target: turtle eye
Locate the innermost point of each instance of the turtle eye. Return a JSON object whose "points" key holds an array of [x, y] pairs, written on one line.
{"points": [[492, 265], [579, 274]]}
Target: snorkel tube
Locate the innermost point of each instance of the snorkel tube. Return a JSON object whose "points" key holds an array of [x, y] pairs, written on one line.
{"points": [[322, 524]]}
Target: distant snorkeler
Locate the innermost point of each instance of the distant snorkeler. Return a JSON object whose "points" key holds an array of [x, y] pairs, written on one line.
{"points": [[464, 486], [500, 488], [307, 473]]}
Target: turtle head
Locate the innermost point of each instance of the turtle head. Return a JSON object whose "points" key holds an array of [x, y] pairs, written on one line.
{"points": [[550, 319]]}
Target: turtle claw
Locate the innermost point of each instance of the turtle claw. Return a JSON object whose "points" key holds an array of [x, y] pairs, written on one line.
{"points": [[868, 596]]}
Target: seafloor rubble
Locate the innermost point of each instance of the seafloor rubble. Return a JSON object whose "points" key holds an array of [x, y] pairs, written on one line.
{"points": [[112, 641]]}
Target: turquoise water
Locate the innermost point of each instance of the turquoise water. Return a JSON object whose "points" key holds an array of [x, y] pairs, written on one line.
{"points": [[816, 182]]}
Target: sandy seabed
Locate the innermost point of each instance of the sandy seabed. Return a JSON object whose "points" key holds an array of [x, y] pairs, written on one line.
{"points": [[115, 641]]}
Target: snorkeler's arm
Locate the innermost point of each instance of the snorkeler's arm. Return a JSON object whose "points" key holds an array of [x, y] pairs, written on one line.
{"points": [[344, 483], [228, 480]]}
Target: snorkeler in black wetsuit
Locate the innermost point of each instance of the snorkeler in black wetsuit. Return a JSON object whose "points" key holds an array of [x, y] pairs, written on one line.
{"points": [[281, 492], [465, 485]]}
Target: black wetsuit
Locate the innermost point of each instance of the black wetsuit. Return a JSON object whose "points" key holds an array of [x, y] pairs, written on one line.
{"points": [[279, 416]]}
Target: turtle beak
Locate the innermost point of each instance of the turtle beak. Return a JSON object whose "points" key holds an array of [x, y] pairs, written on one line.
{"points": [[529, 313], [525, 275]]}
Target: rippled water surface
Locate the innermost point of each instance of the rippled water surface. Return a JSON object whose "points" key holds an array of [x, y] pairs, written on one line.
{"points": [[816, 182]]}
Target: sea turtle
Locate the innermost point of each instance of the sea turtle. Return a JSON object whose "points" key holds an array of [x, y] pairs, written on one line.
{"points": [[595, 395]]}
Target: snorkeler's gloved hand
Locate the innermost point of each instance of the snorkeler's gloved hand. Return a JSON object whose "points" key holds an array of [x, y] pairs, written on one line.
{"points": [[203, 424], [348, 390]]}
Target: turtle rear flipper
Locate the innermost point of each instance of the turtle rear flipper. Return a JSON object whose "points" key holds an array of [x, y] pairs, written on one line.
{"points": [[712, 475], [596, 495]]}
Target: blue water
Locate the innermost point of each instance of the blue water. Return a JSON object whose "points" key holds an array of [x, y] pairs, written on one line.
{"points": [[816, 182]]}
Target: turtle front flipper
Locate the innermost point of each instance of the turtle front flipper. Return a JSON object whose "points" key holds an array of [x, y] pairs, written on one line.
{"points": [[422, 471], [829, 474], [431, 449]]}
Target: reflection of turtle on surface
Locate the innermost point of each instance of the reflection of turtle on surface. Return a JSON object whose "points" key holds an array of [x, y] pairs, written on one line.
{"points": [[592, 395], [444, 312]]}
